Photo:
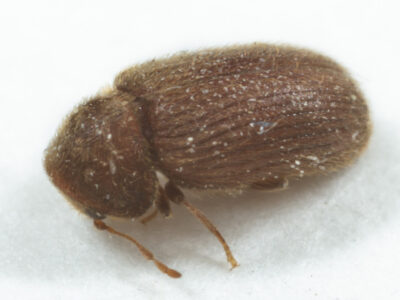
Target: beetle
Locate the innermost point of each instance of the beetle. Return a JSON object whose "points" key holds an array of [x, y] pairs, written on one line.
{"points": [[250, 116]]}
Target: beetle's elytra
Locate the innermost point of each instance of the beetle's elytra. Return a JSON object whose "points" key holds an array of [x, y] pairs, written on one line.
{"points": [[252, 116]]}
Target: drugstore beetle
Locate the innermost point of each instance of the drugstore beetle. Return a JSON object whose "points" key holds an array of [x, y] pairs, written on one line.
{"points": [[252, 116]]}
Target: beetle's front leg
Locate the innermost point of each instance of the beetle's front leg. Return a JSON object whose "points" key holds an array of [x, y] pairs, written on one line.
{"points": [[162, 203], [162, 206], [174, 193]]}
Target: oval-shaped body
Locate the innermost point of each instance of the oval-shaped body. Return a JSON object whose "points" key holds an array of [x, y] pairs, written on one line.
{"points": [[231, 118], [248, 116]]}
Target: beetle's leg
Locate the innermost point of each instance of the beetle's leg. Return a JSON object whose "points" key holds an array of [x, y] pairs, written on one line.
{"points": [[162, 203], [146, 253], [150, 217], [176, 195], [162, 206], [271, 184]]}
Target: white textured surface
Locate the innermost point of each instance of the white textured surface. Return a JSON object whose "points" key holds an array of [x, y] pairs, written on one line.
{"points": [[336, 237]]}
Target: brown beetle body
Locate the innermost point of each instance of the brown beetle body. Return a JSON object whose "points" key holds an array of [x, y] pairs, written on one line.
{"points": [[230, 118]]}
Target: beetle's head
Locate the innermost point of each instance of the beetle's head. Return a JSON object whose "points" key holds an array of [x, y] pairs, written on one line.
{"points": [[100, 160]]}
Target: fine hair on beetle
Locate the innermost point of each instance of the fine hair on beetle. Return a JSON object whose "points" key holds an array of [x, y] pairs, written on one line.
{"points": [[242, 117]]}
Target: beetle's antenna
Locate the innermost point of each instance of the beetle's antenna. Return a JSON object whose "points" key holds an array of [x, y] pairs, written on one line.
{"points": [[199, 215], [146, 253]]}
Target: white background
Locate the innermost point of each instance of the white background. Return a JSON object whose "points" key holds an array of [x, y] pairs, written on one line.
{"points": [[336, 237]]}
